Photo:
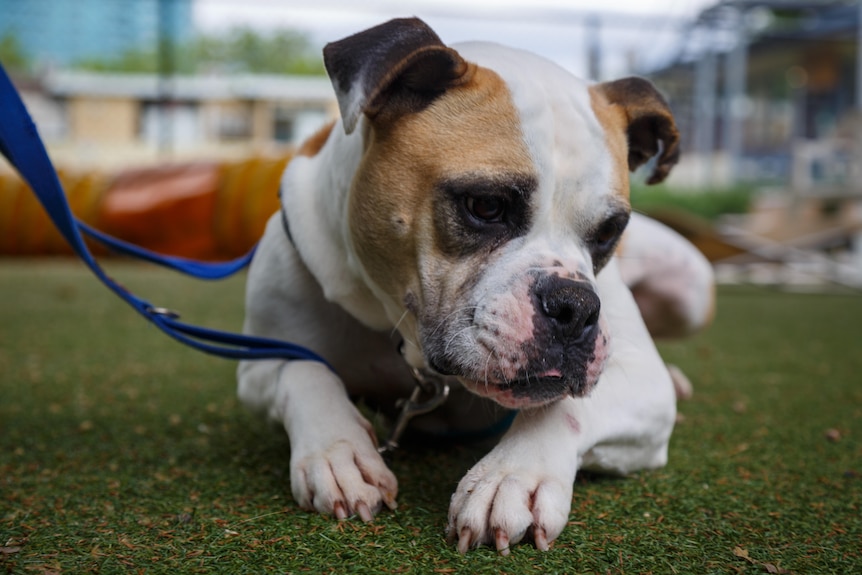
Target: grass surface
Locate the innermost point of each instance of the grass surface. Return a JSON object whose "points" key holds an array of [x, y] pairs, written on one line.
{"points": [[123, 452]]}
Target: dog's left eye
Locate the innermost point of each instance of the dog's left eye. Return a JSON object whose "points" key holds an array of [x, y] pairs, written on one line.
{"points": [[604, 238], [486, 209], [608, 233]]}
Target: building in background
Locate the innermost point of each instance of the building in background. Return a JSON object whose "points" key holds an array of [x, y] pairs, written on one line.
{"points": [[757, 81], [768, 94], [117, 118], [62, 32], [97, 119]]}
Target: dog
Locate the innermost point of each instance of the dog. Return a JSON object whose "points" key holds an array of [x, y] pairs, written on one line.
{"points": [[471, 204]]}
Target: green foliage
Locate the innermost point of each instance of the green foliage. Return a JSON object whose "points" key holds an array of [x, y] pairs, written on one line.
{"points": [[244, 49], [131, 61], [123, 452], [12, 54], [239, 50], [708, 204]]}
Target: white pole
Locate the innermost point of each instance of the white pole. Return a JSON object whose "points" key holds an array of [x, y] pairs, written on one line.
{"points": [[736, 65]]}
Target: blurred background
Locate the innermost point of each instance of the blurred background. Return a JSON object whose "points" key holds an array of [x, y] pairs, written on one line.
{"points": [[171, 120]]}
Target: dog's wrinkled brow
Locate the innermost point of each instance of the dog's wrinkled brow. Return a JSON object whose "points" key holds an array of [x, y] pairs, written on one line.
{"points": [[521, 184]]}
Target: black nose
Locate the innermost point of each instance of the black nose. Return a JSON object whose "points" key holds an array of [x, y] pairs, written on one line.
{"points": [[572, 308]]}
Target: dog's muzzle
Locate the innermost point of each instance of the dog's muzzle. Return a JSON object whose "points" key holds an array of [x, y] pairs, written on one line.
{"points": [[559, 351]]}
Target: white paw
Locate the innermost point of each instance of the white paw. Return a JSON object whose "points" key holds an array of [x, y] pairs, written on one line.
{"points": [[343, 476], [503, 499]]}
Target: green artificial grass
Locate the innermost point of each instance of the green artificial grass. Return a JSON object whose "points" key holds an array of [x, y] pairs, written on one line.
{"points": [[122, 451]]}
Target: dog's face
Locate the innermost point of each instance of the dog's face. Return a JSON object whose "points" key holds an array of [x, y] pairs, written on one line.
{"points": [[493, 189]]}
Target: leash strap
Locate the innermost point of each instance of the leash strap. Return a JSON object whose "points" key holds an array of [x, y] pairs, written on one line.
{"points": [[21, 145]]}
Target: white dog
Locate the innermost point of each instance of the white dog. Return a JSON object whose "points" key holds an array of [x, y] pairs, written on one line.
{"points": [[469, 204]]}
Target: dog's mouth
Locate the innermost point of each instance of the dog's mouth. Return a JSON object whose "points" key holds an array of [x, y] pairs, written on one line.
{"points": [[526, 390], [533, 375]]}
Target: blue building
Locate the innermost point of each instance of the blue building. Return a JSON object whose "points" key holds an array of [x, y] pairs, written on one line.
{"points": [[61, 32]]}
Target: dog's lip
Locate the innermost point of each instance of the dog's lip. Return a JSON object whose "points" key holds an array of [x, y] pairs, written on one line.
{"points": [[552, 373], [515, 392], [549, 377], [522, 392]]}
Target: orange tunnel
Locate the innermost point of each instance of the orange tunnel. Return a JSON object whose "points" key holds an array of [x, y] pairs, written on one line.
{"points": [[204, 210]]}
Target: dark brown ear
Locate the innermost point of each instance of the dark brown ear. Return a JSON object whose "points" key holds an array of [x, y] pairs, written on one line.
{"points": [[398, 67], [649, 122]]}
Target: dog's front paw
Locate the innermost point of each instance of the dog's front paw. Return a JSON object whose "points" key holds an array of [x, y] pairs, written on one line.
{"points": [[499, 503], [346, 477]]}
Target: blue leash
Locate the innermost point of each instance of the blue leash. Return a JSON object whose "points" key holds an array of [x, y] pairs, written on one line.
{"points": [[21, 145]]}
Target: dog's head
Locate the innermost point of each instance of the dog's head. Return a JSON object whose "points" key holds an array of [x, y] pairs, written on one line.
{"points": [[492, 190]]}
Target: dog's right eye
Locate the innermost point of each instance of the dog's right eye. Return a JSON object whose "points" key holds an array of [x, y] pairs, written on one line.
{"points": [[478, 214], [486, 209]]}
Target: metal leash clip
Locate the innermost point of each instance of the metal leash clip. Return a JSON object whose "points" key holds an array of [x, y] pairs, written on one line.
{"points": [[168, 313], [430, 385]]}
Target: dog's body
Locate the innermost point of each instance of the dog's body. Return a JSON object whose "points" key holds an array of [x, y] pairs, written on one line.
{"points": [[469, 203]]}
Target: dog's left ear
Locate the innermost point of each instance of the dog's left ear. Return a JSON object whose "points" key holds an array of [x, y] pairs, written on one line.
{"points": [[398, 67], [649, 122]]}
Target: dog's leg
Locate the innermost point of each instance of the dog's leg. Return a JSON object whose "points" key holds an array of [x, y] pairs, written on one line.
{"points": [[523, 487], [671, 280], [672, 283], [334, 465]]}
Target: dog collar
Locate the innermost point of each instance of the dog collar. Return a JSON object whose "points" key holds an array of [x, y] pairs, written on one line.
{"points": [[430, 392], [284, 223]]}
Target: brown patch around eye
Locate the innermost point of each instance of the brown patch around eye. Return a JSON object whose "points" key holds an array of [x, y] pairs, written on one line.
{"points": [[479, 212]]}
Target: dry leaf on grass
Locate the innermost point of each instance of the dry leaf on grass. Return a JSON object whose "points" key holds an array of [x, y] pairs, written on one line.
{"points": [[743, 554], [769, 567]]}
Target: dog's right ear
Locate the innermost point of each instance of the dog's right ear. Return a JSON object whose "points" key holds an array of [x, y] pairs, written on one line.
{"points": [[395, 68]]}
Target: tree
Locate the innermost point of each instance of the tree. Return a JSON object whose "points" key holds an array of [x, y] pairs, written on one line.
{"points": [[243, 49], [240, 49], [12, 54]]}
